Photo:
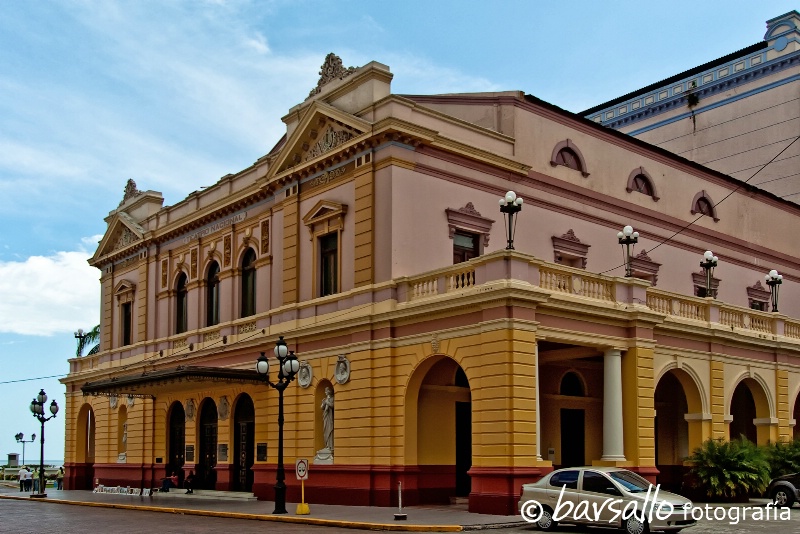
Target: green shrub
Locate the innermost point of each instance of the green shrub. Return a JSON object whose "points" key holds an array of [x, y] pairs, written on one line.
{"points": [[784, 458], [729, 470]]}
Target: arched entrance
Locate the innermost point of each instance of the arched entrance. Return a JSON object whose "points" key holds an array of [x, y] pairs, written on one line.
{"points": [[796, 417], [441, 421], [748, 404], [244, 425], [207, 459], [82, 475], [176, 439]]}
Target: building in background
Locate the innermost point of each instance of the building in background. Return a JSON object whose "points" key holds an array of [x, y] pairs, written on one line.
{"points": [[734, 114], [370, 238]]}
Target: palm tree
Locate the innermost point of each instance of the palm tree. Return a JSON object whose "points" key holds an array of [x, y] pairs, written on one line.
{"points": [[86, 339]]}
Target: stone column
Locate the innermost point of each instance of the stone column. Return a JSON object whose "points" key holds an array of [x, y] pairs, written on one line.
{"points": [[613, 443]]}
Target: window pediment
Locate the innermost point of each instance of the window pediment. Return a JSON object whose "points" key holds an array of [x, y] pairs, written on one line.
{"points": [[758, 292], [569, 247], [644, 267], [470, 220], [326, 216], [124, 290]]}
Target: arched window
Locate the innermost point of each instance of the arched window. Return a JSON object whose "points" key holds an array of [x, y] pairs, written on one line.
{"points": [[571, 385], [639, 181], [568, 158], [703, 204], [249, 283], [212, 295], [181, 315], [567, 154], [642, 185]]}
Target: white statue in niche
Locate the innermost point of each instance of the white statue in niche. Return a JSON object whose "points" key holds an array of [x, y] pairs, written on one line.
{"points": [[325, 455]]}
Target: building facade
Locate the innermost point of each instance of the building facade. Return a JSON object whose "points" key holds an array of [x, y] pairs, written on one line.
{"points": [[370, 238], [735, 114]]}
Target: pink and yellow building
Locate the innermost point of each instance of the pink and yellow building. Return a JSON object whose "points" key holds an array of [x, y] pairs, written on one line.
{"points": [[370, 238]]}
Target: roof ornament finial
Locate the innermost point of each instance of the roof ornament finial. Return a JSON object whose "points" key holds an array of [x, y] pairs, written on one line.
{"points": [[332, 69], [130, 191]]}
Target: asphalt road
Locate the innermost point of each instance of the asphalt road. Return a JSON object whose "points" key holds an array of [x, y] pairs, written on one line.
{"points": [[31, 517], [49, 518]]}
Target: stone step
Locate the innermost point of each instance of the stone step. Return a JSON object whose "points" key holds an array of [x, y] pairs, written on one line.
{"points": [[207, 494]]}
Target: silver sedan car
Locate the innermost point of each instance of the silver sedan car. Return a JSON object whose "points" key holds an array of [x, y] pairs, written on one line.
{"points": [[603, 496]]}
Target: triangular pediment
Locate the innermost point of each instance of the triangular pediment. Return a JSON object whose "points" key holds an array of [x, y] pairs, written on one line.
{"points": [[323, 210], [122, 232], [124, 286], [322, 130]]}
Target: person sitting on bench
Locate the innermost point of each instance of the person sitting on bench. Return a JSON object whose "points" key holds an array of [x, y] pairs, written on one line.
{"points": [[188, 482], [169, 482]]}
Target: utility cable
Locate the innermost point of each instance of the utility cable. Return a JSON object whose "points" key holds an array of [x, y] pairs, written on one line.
{"points": [[682, 229]]}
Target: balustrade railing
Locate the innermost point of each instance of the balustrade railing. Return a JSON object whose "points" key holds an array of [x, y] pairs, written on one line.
{"points": [[577, 282], [677, 305]]}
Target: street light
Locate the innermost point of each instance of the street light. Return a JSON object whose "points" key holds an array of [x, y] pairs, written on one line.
{"points": [[626, 238], [510, 204], [287, 370], [37, 409], [21, 439], [774, 281], [708, 264]]}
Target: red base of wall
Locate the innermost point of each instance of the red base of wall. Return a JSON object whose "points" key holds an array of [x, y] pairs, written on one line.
{"points": [[648, 472], [78, 476], [494, 490]]}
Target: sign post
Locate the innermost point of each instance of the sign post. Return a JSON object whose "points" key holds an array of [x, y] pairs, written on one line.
{"points": [[301, 470]]}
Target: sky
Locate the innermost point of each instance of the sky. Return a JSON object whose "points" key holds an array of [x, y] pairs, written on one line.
{"points": [[177, 94]]}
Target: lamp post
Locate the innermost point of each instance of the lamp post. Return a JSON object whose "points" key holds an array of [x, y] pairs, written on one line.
{"points": [[510, 204], [37, 409], [626, 238], [708, 264], [287, 370], [21, 439], [774, 281]]}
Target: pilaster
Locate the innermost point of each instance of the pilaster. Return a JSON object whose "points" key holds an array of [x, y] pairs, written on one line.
{"points": [[719, 427]]}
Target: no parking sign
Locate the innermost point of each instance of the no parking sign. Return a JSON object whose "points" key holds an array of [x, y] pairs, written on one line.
{"points": [[301, 469]]}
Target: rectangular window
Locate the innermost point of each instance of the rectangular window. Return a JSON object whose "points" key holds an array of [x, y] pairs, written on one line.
{"points": [[329, 263], [758, 305], [465, 246], [127, 325]]}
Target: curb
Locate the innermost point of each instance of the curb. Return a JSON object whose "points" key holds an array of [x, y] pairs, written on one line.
{"points": [[256, 517]]}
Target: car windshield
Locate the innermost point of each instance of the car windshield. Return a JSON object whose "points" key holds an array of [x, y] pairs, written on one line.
{"points": [[630, 481]]}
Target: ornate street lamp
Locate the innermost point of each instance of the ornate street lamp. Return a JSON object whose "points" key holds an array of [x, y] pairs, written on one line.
{"points": [[774, 281], [708, 264], [287, 370], [510, 204], [21, 439], [626, 238], [37, 409]]}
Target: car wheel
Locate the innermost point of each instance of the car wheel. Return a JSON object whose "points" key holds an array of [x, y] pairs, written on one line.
{"points": [[782, 497], [635, 526], [546, 522]]}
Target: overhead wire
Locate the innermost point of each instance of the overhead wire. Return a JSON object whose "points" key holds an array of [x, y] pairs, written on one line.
{"points": [[686, 226]]}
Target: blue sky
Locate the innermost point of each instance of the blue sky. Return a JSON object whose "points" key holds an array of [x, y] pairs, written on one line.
{"points": [[177, 94]]}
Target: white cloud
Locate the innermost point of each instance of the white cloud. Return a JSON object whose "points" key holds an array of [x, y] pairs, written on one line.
{"points": [[258, 43], [46, 295]]}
